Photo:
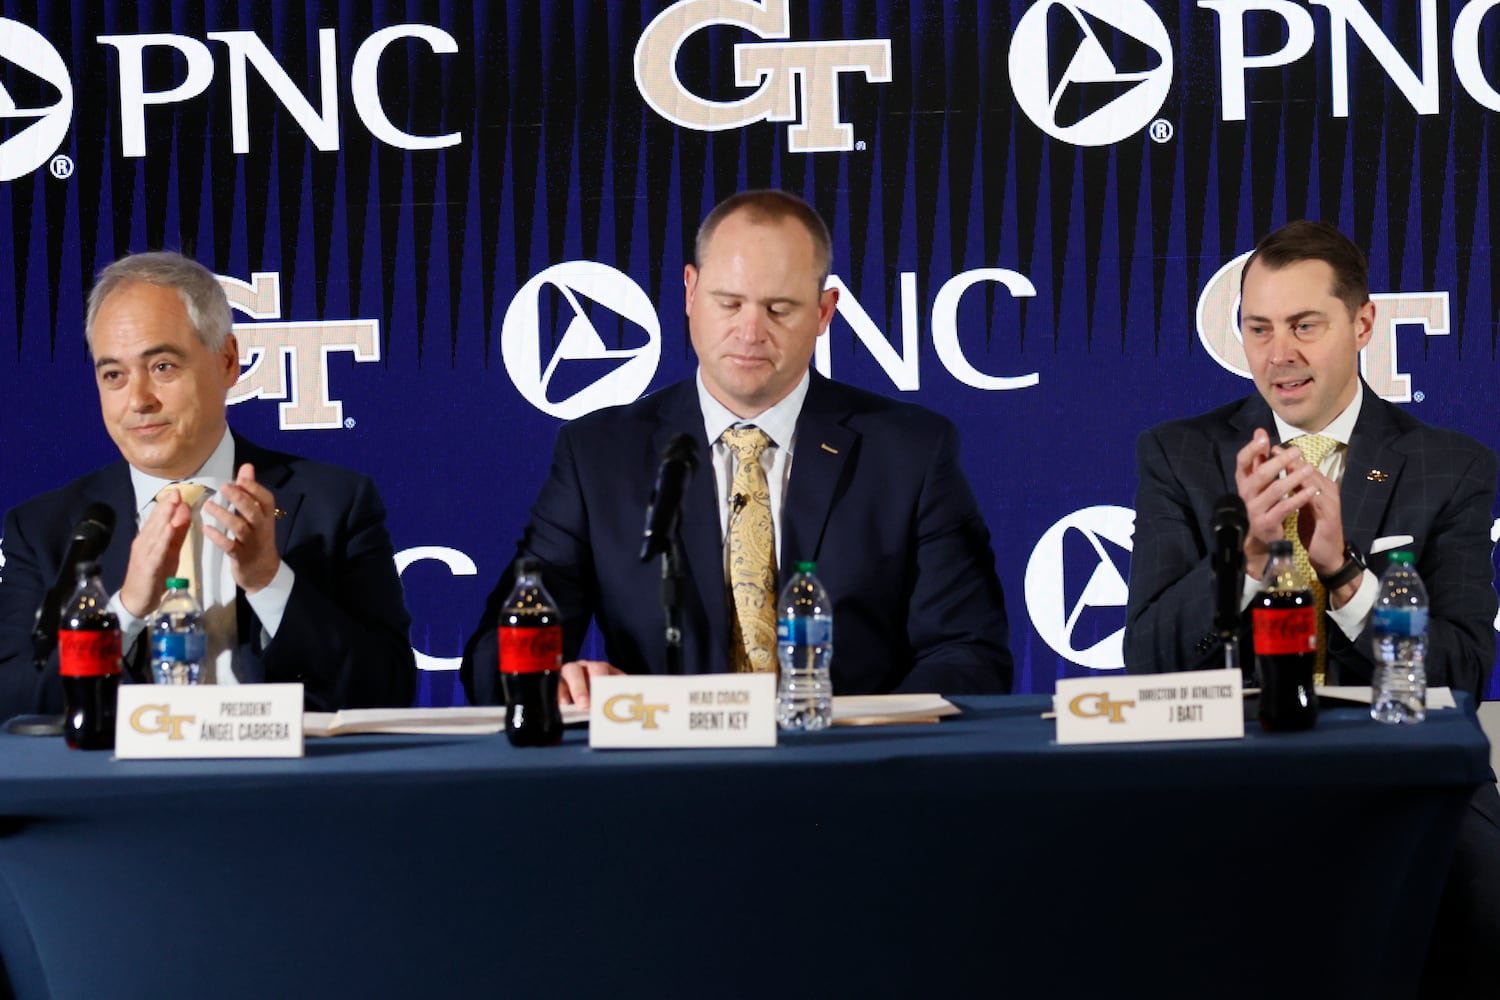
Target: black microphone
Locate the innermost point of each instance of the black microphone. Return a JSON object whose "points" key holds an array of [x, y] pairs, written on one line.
{"points": [[1229, 526], [90, 538], [678, 463]]}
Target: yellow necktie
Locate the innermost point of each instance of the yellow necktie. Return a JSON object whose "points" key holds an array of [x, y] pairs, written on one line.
{"points": [[1315, 448], [192, 545], [752, 555]]}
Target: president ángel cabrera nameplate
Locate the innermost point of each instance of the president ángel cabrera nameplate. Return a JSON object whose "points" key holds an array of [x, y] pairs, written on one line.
{"points": [[156, 721]]}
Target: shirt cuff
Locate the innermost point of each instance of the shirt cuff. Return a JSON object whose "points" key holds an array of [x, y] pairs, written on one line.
{"points": [[269, 603], [131, 627], [1355, 615], [1248, 592]]}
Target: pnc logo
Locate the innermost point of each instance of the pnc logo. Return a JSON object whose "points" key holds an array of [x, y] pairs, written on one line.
{"points": [[44, 71], [782, 73], [1090, 72], [1075, 586], [1093, 705], [575, 298], [273, 349], [632, 708], [149, 720]]}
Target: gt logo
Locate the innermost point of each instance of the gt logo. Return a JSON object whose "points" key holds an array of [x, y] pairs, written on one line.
{"points": [[629, 708], [1099, 705], [780, 71], [160, 721], [271, 348]]}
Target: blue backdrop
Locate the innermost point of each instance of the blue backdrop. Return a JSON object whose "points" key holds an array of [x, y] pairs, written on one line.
{"points": [[449, 227]]}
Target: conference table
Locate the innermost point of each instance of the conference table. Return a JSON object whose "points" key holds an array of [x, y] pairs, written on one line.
{"points": [[975, 856]]}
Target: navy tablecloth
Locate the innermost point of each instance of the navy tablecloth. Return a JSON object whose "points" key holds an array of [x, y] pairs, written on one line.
{"points": [[970, 857]]}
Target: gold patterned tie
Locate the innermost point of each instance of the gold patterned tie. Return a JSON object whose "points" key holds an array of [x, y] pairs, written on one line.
{"points": [[192, 545], [1314, 448], [752, 555]]}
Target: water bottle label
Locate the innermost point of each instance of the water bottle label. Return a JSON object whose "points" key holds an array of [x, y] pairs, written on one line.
{"points": [[1285, 630], [88, 654], [530, 650], [1400, 621], [179, 647], [805, 631]]}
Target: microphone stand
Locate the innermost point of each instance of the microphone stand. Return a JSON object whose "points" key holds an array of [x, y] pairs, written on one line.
{"points": [[671, 582]]}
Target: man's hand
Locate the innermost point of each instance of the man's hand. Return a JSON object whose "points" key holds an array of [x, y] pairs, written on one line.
{"points": [[248, 535], [153, 554], [576, 676], [1274, 482]]}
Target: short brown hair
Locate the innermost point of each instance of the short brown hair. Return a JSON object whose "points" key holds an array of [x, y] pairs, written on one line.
{"points": [[1306, 240], [770, 205]]}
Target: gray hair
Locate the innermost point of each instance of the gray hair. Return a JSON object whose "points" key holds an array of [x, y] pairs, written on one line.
{"points": [[202, 295]]}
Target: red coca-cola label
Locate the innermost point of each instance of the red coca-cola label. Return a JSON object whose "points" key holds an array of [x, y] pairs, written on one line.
{"points": [[1285, 630], [530, 650], [88, 654]]}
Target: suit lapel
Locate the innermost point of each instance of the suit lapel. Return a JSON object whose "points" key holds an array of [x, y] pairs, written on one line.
{"points": [[272, 472], [702, 544], [824, 445], [1371, 472], [115, 489]]}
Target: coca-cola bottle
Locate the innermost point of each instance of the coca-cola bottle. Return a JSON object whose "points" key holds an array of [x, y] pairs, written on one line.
{"points": [[1284, 619], [531, 660], [88, 659]]}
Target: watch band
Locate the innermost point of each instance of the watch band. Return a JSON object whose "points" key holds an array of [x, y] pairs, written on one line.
{"points": [[1353, 567]]}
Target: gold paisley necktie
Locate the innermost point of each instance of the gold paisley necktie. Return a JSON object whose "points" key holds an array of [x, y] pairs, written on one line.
{"points": [[752, 555], [192, 545], [1314, 448]]}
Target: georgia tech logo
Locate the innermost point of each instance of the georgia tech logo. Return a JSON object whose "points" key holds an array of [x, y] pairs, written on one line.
{"points": [[271, 349], [579, 291], [780, 71], [149, 720], [1084, 623], [1103, 77], [631, 708], [1219, 329], [25, 48], [1099, 706]]}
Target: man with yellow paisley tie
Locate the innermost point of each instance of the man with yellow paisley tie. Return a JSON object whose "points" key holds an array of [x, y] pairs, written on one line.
{"points": [[794, 467]]}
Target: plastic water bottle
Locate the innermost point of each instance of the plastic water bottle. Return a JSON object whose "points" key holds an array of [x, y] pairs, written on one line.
{"points": [[804, 645], [1399, 687], [178, 644]]}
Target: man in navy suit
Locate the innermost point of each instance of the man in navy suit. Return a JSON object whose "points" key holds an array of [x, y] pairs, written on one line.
{"points": [[1391, 483], [295, 562], [869, 488]]}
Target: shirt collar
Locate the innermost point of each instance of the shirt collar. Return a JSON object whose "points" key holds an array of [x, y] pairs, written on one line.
{"points": [[778, 421], [1341, 429], [218, 469]]}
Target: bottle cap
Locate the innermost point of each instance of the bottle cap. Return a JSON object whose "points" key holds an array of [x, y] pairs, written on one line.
{"points": [[87, 567], [1281, 547], [525, 565], [1401, 557], [176, 583], [807, 566]]}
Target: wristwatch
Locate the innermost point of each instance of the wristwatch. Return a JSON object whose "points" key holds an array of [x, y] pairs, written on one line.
{"points": [[1354, 566]]}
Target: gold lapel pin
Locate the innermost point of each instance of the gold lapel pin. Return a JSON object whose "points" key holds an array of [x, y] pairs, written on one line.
{"points": [[278, 513], [831, 451], [1376, 476]]}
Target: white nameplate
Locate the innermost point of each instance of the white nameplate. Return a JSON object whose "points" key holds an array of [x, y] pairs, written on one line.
{"points": [[209, 720], [1200, 705], [702, 710]]}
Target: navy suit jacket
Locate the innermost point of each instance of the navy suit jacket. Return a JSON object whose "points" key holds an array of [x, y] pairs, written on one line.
{"points": [[876, 498], [1401, 477], [344, 634]]}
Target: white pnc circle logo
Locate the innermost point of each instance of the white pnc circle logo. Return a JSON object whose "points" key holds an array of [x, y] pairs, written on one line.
{"points": [[1105, 76], [569, 288], [28, 51], [1076, 586]]}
